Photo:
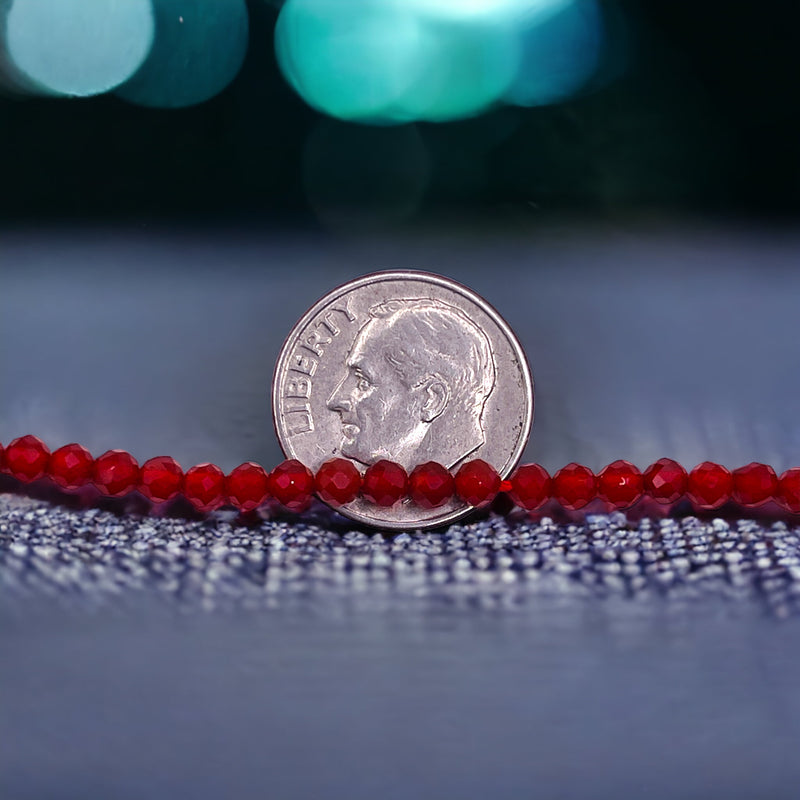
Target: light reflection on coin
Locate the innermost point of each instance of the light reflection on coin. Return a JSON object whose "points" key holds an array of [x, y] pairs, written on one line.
{"points": [[406, 366]]}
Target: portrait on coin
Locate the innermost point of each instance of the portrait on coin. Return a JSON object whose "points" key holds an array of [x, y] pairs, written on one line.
{"points": [[414, 385]]}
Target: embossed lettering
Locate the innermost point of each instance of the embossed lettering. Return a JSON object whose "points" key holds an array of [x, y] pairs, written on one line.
{"points": [[328, 320], [315, 342], [305, 364], [294, 404], [299, 421], [298, 387]]}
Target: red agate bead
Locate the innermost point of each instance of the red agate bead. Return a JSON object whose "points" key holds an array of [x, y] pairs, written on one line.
{"points": [[115, 473], [477, 482], [26, 458], [710, 485], [665, 481], [788, 492], [430, 485], [160, 479], [204, 486], [754, 484], [292, 484], [71, 466], [384, 483], [620, 483], [531, 486], [338, 481], [574, 486], [248, 486]]}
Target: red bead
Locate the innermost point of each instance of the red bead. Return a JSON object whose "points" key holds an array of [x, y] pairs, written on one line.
{"points": [[248, 486], [2, 458], [665, 481], [709, 485], [431, 485], [788, 492], [292, 484], [160, 479], [754, 484], [27, 458], [71, 466], [574, 486], [204, 486], [620, 483], [531, 486], [115, 473], [477, 482], [338, 481], [384, 483]]}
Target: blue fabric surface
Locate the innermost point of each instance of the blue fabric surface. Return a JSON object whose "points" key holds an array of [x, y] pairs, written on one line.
{"points": [[504, 657]]}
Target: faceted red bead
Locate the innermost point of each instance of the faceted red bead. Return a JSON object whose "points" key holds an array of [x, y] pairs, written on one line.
{"points": [[26, 458], [384, 483], [710, 485], [160, 479], [292, 484], [248, 486], [620, 483], [574, 486], [788, 492], [204, 486], [115, 473], [477, 482], [531, 486], [665, 481], [71, 466], [754, 484], [338, 481], [431, 485]]}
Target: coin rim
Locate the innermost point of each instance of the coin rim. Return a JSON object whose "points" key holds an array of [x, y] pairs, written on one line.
{"points": [[447, 283]]}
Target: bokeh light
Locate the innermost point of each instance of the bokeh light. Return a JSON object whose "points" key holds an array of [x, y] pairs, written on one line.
{"points": [[560, 53], [513, 11], [465, 70], [78, 47], [395, 61], [352, 60], [198, 50]]}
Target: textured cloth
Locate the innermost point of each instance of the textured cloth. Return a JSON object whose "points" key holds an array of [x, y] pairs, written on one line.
{"points": [[94, 555], [501, 658]]}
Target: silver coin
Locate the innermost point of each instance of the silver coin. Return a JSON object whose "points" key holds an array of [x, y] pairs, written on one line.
{"points": [[405, 366]]}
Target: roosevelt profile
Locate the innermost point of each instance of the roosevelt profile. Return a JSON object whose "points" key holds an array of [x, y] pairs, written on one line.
{"points": [[415, 385]]}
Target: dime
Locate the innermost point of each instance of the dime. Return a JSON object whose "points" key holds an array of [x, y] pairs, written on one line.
{"points": [[406, 366]]}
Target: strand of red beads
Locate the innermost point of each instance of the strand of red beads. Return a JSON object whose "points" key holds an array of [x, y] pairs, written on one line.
{"points": [[620, 485]]}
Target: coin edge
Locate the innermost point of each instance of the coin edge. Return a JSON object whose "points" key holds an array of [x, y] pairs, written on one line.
{"points": [[444, 282]]}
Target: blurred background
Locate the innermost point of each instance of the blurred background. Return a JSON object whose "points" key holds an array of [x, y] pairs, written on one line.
{"points": [[359, 114]]}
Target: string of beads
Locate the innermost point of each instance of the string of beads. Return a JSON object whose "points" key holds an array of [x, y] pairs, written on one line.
{"points": [[116, 473]]}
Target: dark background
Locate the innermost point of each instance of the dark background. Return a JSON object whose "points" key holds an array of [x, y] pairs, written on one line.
{"points": [[695, 111]]}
